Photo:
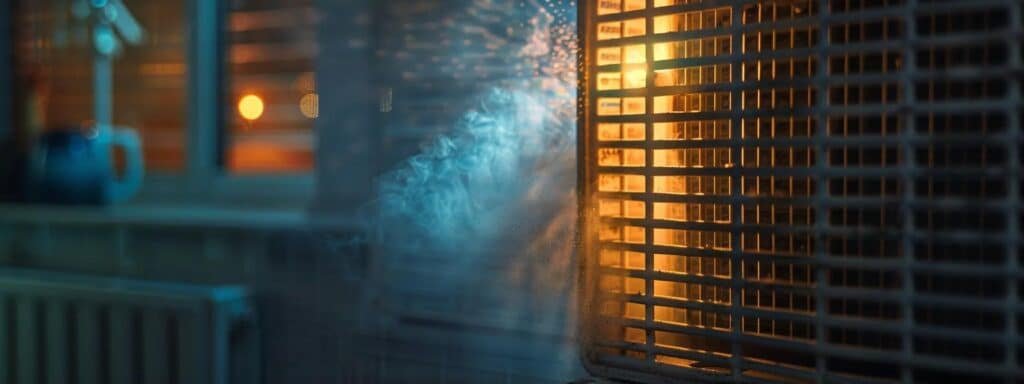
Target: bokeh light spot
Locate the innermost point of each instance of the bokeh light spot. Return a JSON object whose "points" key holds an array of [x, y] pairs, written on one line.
{"points": [[250, 107], [309, 104]]}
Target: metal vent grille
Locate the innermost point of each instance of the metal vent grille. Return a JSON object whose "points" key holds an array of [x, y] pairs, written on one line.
{"points": [[802, 190]]}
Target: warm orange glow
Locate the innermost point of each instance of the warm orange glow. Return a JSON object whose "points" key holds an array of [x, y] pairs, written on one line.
{"points": [[620, 213], [309, 105], [636, 77], [266, 155], [635, 54], [250, 107]]}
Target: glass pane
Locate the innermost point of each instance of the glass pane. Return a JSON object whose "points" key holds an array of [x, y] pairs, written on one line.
{"points": [[54, 58], [272, 98]]}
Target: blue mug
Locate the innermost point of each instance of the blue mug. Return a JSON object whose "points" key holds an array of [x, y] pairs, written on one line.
{"points": [[76, 167]]}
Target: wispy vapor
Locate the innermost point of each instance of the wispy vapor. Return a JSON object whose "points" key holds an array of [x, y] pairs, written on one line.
{"points": [[495, 198]]}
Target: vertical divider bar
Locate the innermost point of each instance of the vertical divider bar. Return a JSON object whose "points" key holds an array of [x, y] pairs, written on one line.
{"points": [[121, 356], [87, 331], [820, 187], [220, 359], [27, 347], [154, 346], [205, 91], [1013, 192], [736, 191], [648, 178], [5, 339], [193, 356], [584, 248], [908, 170], [7, 76], [56, 342], [588, 142]]}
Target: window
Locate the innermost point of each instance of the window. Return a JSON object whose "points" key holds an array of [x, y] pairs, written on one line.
{"points": [[53, 50], [266, 82], [272, 87]]}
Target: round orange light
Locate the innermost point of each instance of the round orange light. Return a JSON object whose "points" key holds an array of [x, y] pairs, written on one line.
{"points": [[309, 105], [250, 107]]}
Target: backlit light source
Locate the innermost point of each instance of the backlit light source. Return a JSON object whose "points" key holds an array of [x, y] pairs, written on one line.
{"points": [[660, 210], [250, 107]]}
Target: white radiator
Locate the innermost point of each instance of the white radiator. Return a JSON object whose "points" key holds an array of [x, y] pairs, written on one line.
{"points": [[63, 328]]}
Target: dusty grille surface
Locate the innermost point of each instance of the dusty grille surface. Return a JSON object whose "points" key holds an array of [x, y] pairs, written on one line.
{"points": [[802, 190]]}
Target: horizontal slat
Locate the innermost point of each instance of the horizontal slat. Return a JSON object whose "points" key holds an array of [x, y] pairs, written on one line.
{"points": [[86, 288], [838, 142], [641, 371], [851, 110], [960, 74], [873, 13], [960, 38], [994, 271], [917, 360], [834, 171], [837, 200], [873, 232]]}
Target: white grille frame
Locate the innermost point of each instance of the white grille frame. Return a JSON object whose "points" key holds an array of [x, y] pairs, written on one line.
{"points": [[909, 360]]}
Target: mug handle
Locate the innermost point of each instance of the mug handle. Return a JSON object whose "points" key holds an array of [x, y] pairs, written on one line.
{"points": [[131, 181]]}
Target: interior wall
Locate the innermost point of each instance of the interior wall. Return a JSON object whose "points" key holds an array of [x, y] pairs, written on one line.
{"points": [[491, 291], [333, 307], [347, 138], [304, 281], [432, 314], [313, 290]]}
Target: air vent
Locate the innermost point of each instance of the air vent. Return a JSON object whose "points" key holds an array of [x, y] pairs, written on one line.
{"points": [[802, 190]]}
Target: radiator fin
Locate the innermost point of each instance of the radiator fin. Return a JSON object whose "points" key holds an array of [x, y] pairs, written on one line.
{"points": [[104, 331]]}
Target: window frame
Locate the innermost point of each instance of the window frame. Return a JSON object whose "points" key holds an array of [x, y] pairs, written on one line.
{"points": [[204, 179], [6, 72]]}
